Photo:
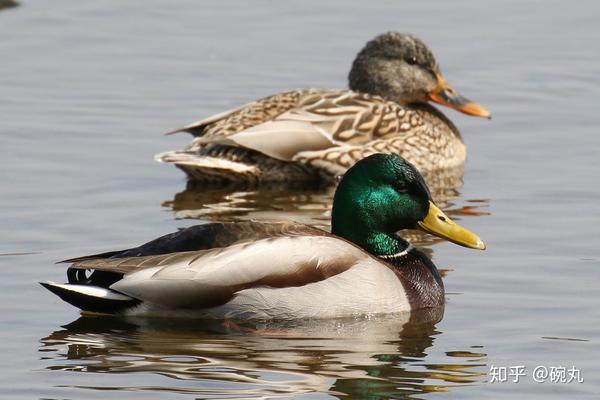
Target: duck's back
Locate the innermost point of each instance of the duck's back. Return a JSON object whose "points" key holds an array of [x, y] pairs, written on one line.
{"points": [[242, 270], [313, 134]]}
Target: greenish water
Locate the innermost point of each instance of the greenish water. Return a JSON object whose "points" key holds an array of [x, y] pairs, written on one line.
{"points": [[86, 90]]}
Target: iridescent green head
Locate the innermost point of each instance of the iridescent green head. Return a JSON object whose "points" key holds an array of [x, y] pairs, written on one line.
{"points": [[383, 194]]}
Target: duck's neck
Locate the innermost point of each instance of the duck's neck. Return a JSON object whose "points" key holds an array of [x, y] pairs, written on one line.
{"points": [[435, 117], [383, 244], [385, 78], [364, 234]]}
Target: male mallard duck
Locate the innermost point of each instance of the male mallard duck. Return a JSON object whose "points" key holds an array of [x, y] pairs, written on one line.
{"points": [[311, 134], [284, 270]]}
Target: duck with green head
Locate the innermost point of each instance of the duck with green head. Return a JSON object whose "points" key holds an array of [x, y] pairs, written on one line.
{"points": [[283, 270], [317, 134]]}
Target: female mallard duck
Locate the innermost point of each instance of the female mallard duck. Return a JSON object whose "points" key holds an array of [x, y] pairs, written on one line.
{"points": [[311, 134], [284, 270]]}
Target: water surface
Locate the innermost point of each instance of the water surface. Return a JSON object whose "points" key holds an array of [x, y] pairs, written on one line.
{"points": [[88, 88]]}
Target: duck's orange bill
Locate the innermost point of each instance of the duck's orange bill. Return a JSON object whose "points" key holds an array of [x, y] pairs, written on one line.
{"points": [[444, 94]]}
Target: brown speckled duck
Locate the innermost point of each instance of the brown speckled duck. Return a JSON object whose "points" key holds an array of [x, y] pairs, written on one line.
{"points": [[316, 134]]}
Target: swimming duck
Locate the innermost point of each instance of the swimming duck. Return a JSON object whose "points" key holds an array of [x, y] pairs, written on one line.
{"points": [[283, 270], [316, 134]]}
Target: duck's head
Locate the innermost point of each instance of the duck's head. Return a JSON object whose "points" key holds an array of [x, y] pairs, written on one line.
{"points": [[401, 68], [382, 194]]}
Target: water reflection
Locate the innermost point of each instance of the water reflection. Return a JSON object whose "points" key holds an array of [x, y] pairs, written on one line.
{"points": [[308, 204], [381, 357]]}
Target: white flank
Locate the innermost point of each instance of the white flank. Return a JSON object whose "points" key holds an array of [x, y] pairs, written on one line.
{"points": [[358, 283], [367, 288]]}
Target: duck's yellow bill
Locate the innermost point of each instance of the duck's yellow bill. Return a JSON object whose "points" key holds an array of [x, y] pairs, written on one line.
{"points": [[444, 94], [439, 224]]}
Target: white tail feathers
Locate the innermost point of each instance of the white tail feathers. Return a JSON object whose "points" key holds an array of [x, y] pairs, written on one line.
{"points": [[91, 298]]}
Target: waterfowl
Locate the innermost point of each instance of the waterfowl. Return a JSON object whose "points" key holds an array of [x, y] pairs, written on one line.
{"points": [[317, 134], [283, 270]]}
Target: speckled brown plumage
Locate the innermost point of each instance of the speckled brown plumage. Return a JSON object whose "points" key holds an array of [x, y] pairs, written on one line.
{"points": [[360, 125], [246, 116]]}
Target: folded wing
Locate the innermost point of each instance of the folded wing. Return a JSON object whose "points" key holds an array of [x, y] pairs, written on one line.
{"points": [[207, 278]]}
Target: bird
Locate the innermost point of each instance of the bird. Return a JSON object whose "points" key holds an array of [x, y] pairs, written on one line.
{"points": [[279, 271], [315, 135]]}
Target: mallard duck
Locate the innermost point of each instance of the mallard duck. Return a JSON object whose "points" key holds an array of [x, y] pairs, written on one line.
{"points": [[283, 270], [316, 134]]}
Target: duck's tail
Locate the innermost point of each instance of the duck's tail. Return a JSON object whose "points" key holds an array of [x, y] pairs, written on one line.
{"points": [[244, 167], [210, 169], [92, 298]]}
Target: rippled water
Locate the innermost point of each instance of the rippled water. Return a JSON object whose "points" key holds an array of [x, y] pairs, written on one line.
{"points": [[87, 88]]}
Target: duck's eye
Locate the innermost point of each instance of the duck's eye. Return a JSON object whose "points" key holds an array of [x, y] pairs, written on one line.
{"points": [[401, 189], [412, 60]]}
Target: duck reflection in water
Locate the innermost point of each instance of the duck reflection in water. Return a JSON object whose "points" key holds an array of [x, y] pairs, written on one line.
{"points": [[308, 203], [380, 356]]}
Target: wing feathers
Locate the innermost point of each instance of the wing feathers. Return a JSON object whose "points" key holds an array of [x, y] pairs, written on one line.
{"points": [[246, 116], [203, 237], [283, 139], [197, 128], [320, 120], [196, 279]]}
